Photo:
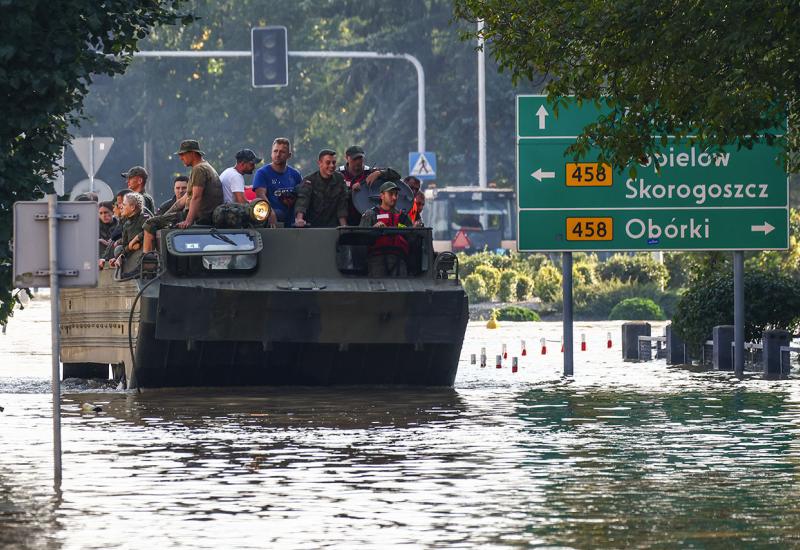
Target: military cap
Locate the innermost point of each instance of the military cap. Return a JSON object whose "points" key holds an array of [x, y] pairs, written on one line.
{"points": [[189, 146], [354, 152], [135, 171], [389, 186]]}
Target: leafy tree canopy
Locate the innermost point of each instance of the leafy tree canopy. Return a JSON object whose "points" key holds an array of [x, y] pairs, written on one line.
{"points": [[50, 52], [723, 71]]}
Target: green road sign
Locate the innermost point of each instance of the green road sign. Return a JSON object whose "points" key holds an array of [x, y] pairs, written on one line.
{"points": [[708, 188], [537, 118], [643, 229]]}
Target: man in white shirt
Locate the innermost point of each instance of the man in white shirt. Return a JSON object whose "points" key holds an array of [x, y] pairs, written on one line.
{"points": [[233, 178]]}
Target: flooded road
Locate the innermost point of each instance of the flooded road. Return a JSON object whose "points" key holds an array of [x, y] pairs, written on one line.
{"points": [[622, 455]]}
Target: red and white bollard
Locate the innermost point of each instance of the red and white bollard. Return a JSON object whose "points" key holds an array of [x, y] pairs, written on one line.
{"points": [[499, 362], [562, 344], [608, 342], [514, 364], [583, 342], [544, 346], [524, 351], [472, 359], [505, 352], [483, 357]]}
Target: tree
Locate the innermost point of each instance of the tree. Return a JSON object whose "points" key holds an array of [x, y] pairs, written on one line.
{"points": [[723, 71], [50, 52]]}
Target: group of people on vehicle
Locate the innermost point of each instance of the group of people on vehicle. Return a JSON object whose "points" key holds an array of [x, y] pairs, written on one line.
{"points": [[321, 199]]}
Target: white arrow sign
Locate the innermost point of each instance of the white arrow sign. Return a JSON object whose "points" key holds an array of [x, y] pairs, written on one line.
{"points": [[540, 175], [542, 114], [766, 228]]}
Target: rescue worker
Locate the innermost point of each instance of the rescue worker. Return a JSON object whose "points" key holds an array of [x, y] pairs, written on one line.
{"points": [[108, 226], [416, 211], [277, 181], [179, 186], [203, 195], [232, 178], [356, 173], [387, 257], [322, 196], [137, 181], [414, 184]]}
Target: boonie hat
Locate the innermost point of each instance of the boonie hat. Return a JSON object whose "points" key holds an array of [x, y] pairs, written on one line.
{"points": [[246, 155], [389, 186], [354, 152], [135, 171], [189, 146]]}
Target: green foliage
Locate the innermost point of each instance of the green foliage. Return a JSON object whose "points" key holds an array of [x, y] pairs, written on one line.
{"points": [[547, 283], [508, 286], [516, 313], [636, 309], [524, 288], [475, 287], [637, 57], [639, 268], [772, 300], [597, 301], [678, 266], [50, 52], [491, 278]]}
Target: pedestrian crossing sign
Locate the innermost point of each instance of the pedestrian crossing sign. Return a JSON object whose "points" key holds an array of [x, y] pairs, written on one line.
{"points": [[422, 165]]}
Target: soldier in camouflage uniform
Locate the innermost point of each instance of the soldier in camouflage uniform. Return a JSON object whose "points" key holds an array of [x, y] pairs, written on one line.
{"points": [[322, 199], [231, 215]]}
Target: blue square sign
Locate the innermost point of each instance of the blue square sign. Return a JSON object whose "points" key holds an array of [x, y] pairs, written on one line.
{"points": [[422, 165]]}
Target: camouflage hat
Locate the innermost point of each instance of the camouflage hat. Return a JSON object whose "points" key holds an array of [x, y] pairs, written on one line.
{"points": [[230, 215], [354, 152], [389, 186], [135, 171], [246, 155], [189, 146]]}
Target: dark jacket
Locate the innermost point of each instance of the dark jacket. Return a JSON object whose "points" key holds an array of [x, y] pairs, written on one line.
{"points": [[322, 202]]}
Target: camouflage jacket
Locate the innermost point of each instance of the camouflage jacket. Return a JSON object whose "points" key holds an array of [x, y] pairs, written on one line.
{"points": [[132, 227], [322, 202]]}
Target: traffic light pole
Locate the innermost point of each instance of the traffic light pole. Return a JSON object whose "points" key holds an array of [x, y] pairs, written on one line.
{"points": [[323, 55]]}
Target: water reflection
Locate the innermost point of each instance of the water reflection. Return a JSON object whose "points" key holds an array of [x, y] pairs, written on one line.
{"points": [[621, 455]]}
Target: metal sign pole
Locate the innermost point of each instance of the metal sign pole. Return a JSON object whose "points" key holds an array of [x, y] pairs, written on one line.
{"points": [[91, 163], [52, 223], [566, 266], [738, 313]]}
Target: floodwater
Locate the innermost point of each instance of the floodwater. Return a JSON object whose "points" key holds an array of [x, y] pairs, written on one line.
{"points": [[620, 455]]}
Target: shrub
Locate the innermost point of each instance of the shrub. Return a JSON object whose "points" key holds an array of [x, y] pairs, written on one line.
{"points": [[491, 278], [475, 287], [516, 313], [524, 288], [547, 283], [772, 300], [641, 268], [636, 309], [583, 274], [508, 286], [597, 301]]}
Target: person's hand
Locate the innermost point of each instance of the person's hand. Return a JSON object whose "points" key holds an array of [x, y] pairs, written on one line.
{"points": [[356, 187], [104, 242], [101, 263], [299, 222], [418, 223], [184, 224], [272, 220], [373, 177], [379, 224]]}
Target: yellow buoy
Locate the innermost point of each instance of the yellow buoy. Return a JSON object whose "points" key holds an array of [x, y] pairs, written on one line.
{"points": [[493, 322]]}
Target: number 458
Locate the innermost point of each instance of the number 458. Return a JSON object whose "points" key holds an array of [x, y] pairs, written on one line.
{"points": [[590, 229]]}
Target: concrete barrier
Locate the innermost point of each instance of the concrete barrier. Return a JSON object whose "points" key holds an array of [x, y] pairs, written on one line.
{"points": [[630, 339], [676, 348], [772, 341], [723, 352]]}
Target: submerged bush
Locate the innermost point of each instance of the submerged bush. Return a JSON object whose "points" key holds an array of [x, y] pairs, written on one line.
{"points": [[516, 313]]}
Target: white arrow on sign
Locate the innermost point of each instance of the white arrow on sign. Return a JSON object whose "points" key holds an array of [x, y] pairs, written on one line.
{"points": [[542, 114], [766, 228], [540, 175]]}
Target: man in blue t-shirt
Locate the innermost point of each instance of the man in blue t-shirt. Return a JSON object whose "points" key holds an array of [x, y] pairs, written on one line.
{"points": [[276, 182]]}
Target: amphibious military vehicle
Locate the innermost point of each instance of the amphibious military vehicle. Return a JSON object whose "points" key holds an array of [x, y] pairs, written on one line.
{"points": [[262, 306]]}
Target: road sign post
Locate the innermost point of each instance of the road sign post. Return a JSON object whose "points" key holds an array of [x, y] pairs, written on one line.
{"points": [[681, 198]]}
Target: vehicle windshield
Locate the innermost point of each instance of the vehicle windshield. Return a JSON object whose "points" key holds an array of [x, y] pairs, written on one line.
{"points": [[214, 241], [448, 214]]}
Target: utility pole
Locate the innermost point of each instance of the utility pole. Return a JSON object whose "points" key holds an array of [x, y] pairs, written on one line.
{"points": [[481, 108]]}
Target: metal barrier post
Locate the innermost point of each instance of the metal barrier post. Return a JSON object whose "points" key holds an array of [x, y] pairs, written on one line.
{"points": [[55, 383]]}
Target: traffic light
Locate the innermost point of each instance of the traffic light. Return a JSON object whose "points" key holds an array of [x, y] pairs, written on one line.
{"points": [[270, 57]]}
